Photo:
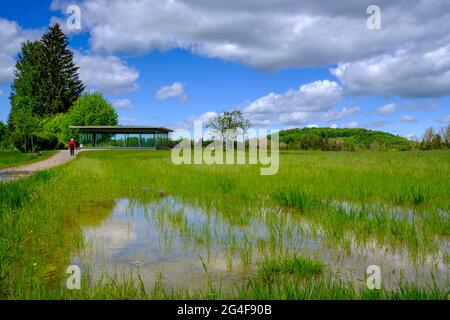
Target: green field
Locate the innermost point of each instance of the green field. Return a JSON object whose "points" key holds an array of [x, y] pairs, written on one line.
{"points": [[285, 236], [9, 158]]}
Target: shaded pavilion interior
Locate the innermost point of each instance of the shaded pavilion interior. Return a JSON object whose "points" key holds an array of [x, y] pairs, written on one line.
{"points": [[123, 137]]}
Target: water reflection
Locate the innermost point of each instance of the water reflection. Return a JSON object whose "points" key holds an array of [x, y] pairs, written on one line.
{"points": [[190, 247]]}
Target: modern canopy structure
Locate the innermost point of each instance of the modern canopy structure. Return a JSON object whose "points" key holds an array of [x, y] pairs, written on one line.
{"points": [[122, 137]]}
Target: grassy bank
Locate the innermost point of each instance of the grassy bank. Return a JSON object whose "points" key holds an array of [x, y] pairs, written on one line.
{"points": [[40, 228], [12, 158]]}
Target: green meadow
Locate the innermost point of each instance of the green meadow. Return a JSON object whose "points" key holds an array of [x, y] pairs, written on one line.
{"points": [[348, 204]]}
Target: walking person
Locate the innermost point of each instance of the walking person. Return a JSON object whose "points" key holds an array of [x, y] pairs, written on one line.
{"points": [[72, 147]]}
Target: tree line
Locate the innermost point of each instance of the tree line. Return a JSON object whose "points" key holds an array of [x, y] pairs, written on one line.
{"points": [[435, 139], [47, 96], [231, 124], [341, 139], [329, 139]]}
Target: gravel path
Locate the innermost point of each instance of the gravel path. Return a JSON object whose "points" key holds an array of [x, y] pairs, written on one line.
{"points": [[28, 169]]}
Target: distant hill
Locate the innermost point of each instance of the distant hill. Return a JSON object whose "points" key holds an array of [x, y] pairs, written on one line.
{"points": [[341, 140]]}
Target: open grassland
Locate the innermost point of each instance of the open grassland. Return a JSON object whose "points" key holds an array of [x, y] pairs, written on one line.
{"points": [[398, 201], [9, 158]]}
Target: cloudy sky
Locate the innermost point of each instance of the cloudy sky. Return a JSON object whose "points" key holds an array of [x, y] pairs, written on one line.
{"points": [[285, 63]]}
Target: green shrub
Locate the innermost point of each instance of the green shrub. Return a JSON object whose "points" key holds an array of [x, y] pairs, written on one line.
{"points": [[18, 141], [44, 141], [61, 145], [37, 141]]}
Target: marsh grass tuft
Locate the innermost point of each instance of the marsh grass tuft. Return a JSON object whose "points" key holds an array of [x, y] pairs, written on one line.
{"points": [[419, 195], [296, 199], [297, 266]]}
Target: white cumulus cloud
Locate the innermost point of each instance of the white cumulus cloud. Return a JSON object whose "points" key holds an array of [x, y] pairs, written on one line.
{"points": [[123, 104], [108, 74], [310, 102], [387, 109], [408, 57], [333, 115], [11, 38], [311, 97], [176, 90], [204, 118], [409, 73], [408, 118]]}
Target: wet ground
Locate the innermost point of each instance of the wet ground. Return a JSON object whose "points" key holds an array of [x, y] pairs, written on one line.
{"points": [[187, 245]]}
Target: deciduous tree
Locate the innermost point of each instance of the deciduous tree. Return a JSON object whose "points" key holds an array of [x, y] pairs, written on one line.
{"points": [[25, 89], [90, 109], [229, 121]]}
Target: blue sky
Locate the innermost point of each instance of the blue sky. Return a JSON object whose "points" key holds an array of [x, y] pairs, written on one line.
{"points": [[284, 63]]}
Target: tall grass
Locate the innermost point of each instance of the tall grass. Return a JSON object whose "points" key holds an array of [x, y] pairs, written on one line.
{"points": [[41, 217]]}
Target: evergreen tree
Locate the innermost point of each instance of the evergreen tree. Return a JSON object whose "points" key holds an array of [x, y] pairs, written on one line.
{"points": [[3, 132], [25, 87], [60, 85]]}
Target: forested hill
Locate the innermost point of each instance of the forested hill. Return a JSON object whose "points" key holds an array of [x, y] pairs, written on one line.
{"points": [[341, 140]]}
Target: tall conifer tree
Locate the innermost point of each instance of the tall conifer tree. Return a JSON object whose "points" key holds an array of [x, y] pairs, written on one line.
{"points": [[60, 85]]}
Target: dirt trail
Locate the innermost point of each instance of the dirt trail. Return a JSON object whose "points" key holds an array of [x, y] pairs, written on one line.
{"points": [[28, 169]]}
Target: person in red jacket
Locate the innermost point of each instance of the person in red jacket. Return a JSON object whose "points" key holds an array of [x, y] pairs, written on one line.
{"points": [[72, 147]]}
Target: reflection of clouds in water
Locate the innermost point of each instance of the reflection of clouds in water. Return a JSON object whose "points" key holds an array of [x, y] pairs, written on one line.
{"points": [[112, 235], [122, 206], [130, 240], [395, 258], [145, 238]]}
